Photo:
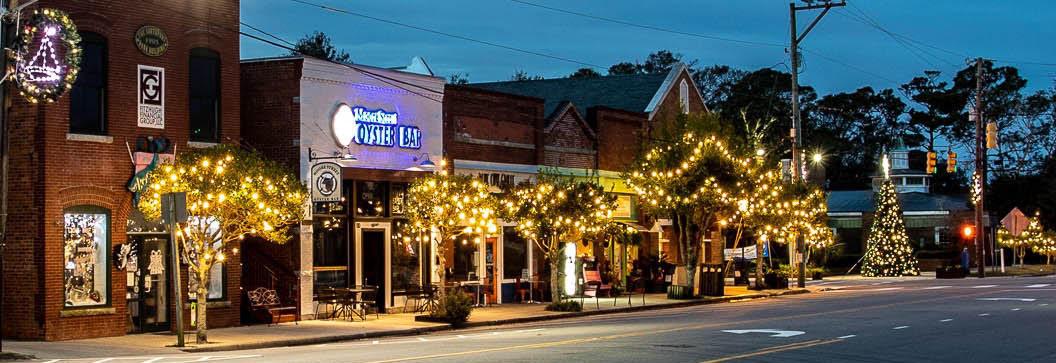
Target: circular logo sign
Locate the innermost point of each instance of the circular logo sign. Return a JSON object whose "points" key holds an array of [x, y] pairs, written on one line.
{"points": [[326, 183], [151, 40], [343, 125]]}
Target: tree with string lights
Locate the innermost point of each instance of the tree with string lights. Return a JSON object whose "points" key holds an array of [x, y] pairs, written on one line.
{"points": [[1029, 238], [888, 253], [231, 194], [557, 210], [446, 206], [802, 212]]}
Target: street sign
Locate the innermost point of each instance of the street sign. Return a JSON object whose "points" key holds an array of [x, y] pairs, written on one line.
{"points": [[774, 333], [1015, 222]]}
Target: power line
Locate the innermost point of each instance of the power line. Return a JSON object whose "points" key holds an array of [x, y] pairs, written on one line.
{"points": [[650, 27], [913, 49], [450, 35], [379, 77]]}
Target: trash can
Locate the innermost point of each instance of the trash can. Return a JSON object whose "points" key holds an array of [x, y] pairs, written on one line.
{"points": [[712, 280]]}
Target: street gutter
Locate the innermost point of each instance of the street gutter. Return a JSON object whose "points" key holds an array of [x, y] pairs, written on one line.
{"points": [[530, 319]]}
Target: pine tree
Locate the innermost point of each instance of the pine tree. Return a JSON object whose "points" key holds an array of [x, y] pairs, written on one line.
{"points": [[889, 252]]}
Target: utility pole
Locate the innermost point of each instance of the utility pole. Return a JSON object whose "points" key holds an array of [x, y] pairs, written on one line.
{"points": [[980, 166], [797, 129]]}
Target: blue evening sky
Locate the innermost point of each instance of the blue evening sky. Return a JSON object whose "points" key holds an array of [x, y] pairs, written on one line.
{"points": [[1016, 31]]}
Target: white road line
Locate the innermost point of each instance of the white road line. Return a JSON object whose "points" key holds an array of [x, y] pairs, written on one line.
{"points": [[885, 289], [984, 314], [983, 286], [420, 339], [1023, 299], [900, 327], [1016, 309], [937, 287], [1037, 286], [374, 342], [847, 336], [882, 283], [53, 361], [104, 360], [945, 320], [152, 360], [460, 336], [1043, 304]]}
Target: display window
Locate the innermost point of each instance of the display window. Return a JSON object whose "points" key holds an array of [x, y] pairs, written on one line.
{"points": [[86, 242]]}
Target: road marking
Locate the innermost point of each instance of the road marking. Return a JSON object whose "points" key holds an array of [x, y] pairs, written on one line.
{"points": [[152, 360], [984, 314], [937, 287], [374, 342], [945, 320], [1016, 309], [1023, 299], [776, 333], [882, 283], [779, 348], [420, 339], [881, 289], [1037, 285], [104, 360], [1043, 304], [460, 336], [847, 336], [900, 327], [983, 286]]}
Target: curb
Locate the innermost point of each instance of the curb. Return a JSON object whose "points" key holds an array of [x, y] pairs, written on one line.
{"points": [[530, 319]]}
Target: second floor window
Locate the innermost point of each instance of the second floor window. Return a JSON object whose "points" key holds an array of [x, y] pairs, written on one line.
{"points": [[88, 96], [205, 95]]}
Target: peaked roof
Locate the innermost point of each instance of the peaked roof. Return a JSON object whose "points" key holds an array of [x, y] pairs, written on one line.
{"points": [[626, 92], [862, 201]]}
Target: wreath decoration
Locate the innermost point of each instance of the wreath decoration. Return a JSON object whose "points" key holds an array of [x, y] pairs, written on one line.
{"points": [[38, 72]]}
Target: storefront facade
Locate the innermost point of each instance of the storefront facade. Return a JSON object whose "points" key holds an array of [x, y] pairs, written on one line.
{"points": [[80, 260], [358, 136]]}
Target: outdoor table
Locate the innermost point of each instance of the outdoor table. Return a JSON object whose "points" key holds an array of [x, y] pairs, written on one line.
{"points": [[477, 285], [351, 299]]}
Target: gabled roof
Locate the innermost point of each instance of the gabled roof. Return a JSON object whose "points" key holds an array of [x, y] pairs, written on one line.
{"points": [[862, 201], [633, 93]]}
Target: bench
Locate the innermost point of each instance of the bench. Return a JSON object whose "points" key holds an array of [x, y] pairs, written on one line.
{"points": [[594, 287], [265, 301]]}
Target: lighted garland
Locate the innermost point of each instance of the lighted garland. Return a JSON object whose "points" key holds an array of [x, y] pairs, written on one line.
{"points": [[40, 75]]}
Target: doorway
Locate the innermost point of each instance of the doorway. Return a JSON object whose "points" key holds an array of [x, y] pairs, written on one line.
{"points": [[152, 286], [372, 242]]}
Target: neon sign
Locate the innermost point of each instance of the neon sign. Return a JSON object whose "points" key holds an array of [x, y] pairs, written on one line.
{"points": [[373, 128]]}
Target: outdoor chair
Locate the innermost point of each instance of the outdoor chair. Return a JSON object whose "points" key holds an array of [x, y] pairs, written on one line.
{"points": [[593, 277], [633, 283], [368, 300], [520, 289], [265, 302]]}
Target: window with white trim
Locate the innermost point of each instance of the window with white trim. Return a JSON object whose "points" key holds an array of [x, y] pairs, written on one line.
{"points": [[683, 96]]}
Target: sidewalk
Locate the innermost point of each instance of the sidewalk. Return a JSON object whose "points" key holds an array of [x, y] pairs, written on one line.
{"points": [[325, 331]]}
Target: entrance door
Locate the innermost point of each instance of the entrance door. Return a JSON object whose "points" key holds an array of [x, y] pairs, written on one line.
{"points": [[154, 284], [372, 242]]}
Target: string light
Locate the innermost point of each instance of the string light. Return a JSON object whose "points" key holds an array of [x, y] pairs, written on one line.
{"points": [[889, 253]]}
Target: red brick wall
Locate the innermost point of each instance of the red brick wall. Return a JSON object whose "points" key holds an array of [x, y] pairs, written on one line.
{"points": [[619, 137], [270, 116], [671, 107], [492, 116], [51, 173]]}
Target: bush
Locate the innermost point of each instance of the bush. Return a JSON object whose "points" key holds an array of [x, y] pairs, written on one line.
{"points": [[568, 305], [455, 308]]}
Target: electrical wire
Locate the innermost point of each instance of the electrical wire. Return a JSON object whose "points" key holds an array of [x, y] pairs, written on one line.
{"points": [[450, 35], [650, 27]]}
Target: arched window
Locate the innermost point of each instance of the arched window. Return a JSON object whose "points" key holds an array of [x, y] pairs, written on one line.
{"points": [[86, 256], [683, 96], [204, 87], [88, 96]]}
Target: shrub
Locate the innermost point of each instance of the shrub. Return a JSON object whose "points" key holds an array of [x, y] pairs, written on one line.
{"points": [[455, 308], [568, 305]]}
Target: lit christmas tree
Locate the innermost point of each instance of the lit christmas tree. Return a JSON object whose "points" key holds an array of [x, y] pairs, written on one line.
{"points": [[889, 253]]}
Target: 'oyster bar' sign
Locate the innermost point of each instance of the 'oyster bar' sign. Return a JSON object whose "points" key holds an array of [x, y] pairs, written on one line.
{"points": [[373, 128]]}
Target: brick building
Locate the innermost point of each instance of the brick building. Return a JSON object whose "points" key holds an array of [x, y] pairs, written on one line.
{"points": [[70, 211], [508, 132]]}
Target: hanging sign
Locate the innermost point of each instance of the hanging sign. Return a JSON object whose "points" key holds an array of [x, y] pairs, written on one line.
{"points": [[151, 97], [151, 41], [373, 128], [47, 56], [326, 182]]}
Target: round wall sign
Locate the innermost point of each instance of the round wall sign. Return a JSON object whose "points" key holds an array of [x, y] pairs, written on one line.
{"points": [[343, 125], [151, 40]]}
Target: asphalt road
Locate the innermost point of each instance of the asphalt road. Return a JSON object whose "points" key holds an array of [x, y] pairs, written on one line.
{"points": [[971, 320]]}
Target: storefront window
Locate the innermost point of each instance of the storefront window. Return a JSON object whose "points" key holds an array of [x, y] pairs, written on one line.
{"points": [[204, 87], [463, 266], [86, 245], [371, 198], [514, 254], [406, 252], [217, 289], [330, 251], [399, 198]]}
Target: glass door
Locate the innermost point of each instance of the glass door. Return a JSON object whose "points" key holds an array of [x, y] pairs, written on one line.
{"points": [[154, 284]]}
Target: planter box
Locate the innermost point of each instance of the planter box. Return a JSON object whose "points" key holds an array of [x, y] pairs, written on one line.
{"points": [[773, 281], [679, 292], [950, 273]]}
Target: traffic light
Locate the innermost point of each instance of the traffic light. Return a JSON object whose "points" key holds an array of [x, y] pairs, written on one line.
{"points": [[951, 162], [932, 161], [968, 231], [991, 135]]}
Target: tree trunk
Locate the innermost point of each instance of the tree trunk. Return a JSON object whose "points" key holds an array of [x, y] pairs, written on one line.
{"points": [[441, 271], [759, 264], [201, 337], [556, 290]]}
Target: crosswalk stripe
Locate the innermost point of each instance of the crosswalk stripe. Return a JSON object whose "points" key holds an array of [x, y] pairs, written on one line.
{"points": [[937, 287], [1037, 286], [983, 286]]}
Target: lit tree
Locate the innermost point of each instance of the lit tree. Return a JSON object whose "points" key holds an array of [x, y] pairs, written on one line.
{"points": [[803, 212], [231, 194], [684, 181], [1046, 245], [889, 252], [557, 210], [1026, 238], [757, 200], [446, 206]]}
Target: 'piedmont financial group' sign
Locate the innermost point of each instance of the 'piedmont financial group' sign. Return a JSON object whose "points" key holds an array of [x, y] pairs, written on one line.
{"points": [[374, 128]]}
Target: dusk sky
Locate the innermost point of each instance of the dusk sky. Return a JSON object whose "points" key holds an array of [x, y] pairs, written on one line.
{"points": [[1021, 31]]}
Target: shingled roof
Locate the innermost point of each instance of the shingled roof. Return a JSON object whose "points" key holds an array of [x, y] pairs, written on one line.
{"points": [[626, 92], [862, 201]]}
